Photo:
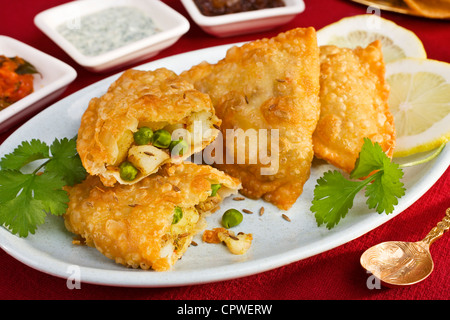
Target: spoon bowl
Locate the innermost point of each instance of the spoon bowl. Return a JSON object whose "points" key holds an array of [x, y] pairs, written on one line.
{"points": [[397, 263]]}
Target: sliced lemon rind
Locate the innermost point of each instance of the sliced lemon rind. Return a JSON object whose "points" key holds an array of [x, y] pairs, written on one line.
{"points": [[439, 132], [405, 39], [422, 148], [413, 65]]}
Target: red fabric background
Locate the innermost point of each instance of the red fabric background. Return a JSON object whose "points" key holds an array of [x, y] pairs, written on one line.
{"points": [[335, 274]]}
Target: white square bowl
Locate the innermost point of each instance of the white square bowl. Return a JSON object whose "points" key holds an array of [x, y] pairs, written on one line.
{"points": [[53, 79], [170, 24], [244, 22]]}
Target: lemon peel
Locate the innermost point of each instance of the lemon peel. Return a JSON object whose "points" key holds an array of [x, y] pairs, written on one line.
{"points": [[360, 30], [420, 103]]}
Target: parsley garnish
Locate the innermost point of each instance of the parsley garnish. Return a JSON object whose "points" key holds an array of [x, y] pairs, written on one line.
{"points": [[26, 198], [334, 193]]}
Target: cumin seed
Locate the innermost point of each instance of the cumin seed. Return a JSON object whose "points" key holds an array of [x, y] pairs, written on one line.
{"points": [[247, 211], [285, 217], [100, 189], [233, 237]]}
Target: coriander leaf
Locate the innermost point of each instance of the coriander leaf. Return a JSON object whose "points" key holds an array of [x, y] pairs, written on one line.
{"points": [[11, 183], [26, 198], [370, 158], [384, 192], [22, 215], [23, 66], [334, 194], [65, 161], [47, 188], [333, 197], [25, 153]]}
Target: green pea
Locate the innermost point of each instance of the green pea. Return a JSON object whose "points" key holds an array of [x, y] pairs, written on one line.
{"points": [[231, 218], [143, 136], [214, 189], [179, 147], [128, 172], [177, 215], [161, 138]]}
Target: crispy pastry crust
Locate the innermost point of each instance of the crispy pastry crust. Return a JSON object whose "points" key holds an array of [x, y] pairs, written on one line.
{"points": [[131, 223], [268, 84], [354, 104], [137, 98]]}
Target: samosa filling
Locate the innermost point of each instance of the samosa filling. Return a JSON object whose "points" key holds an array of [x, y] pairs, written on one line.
{"points": [[142, 152], [186, 222]]}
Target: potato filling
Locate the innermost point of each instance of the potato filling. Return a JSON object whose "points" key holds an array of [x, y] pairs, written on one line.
{"points": [[180, 234], [148, 149], [186, 223]]}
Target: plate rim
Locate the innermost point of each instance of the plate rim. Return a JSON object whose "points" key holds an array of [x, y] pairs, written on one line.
{"points": [[151, 279]]}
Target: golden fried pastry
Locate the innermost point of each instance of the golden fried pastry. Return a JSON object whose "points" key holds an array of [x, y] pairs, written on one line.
{"points": [[148, 224], [158, 101], [354, 104], [268, 84]]}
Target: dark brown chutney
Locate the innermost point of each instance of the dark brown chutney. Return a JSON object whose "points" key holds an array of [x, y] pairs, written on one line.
{"points": [[221, 7]]}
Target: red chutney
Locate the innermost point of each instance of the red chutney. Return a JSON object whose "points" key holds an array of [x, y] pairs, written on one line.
{"points": [[13, 86], [221, 7]]}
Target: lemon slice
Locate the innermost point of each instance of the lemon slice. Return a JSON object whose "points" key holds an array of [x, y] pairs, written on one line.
{"points": [[397, 42], [420, 103]]}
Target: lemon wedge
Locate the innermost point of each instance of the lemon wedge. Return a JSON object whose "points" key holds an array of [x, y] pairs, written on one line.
{"points": [[361, 30], [420, 103]]}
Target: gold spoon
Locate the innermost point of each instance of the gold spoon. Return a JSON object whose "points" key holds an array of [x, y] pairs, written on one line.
{"points": [[397, 263]]}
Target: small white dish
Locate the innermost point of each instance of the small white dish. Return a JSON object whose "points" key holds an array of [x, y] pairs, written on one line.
{"points": [[244, 22], [170, 24], [53, 79]]}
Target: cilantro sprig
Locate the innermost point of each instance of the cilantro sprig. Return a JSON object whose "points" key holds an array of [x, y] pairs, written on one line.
{"points": [[32, 178], [375, 172]]}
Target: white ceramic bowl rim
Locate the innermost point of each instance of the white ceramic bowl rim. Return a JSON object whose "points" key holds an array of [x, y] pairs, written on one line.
{"points": [[62, 75], [181, 26]]}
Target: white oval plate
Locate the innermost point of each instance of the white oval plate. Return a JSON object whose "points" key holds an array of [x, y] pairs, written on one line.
{"points": [[277, 242]]}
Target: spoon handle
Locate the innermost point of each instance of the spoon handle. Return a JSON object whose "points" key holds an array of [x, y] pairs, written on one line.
{"points": [[439, 230]]}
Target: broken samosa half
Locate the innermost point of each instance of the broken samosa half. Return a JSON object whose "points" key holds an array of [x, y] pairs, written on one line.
{"points": [[354, 104], [266, 92], [149, 224], [145, 120]]}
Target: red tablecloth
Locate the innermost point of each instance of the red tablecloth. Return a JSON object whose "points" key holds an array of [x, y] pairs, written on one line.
{"points": [[335, 274]]}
